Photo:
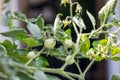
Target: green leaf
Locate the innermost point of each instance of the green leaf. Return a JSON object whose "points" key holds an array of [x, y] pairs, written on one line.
{"points": [[40, 22], [20, 58], [39, 75], [15, 33], [86, 45], [9, 45], [115, 58], [2, 50], [53, 77], [67, 34], [95, 44], [57, 22], [99, 58], [101, 45], [103, 42], [32, 20], [20, 16], [114, 23], [6, 18], [115, 50], [34, 30], [6, 1], [61, 50], [40, 42], [92, 19], [115, 77], [10, 24], [41, 62], [79, 21], [24, 76], [107, 10], [29, 42]]}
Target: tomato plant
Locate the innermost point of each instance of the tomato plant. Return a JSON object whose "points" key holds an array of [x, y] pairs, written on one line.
{"points": [[29, 64]]}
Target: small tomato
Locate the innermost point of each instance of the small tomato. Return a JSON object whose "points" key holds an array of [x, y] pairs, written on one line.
{"points": [[49, 43], [69, 60], [30, 55], [68, 43], [66, 22]]}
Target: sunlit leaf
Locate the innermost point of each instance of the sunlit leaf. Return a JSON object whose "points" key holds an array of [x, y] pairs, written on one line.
{"points": [[16, 33], [20, 58], [57, 22], [29, 42], [115, 58], [40, 22], [92, 19], [79, 21], [99, 58], [113, 23], [86, 45], [107, 10], [68, 34], [115, 50], [9, 44], [103, 42], [34, 30], [10, 24]]}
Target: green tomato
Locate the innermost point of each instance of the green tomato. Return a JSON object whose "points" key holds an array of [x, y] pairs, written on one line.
{"points": [[31, 55], [68, 43], [49, 43], [69, 60]]}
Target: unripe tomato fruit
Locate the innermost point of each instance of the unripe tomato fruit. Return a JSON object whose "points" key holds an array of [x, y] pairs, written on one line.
{"points": [[30, 55], [49, 43], [68, 43], [69, 60]]}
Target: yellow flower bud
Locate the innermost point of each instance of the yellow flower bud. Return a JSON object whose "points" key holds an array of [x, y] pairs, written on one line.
{"points": [[105, 56], [91, 54], [78, 8], [66, 22], [64, 1], [100, 48]]}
